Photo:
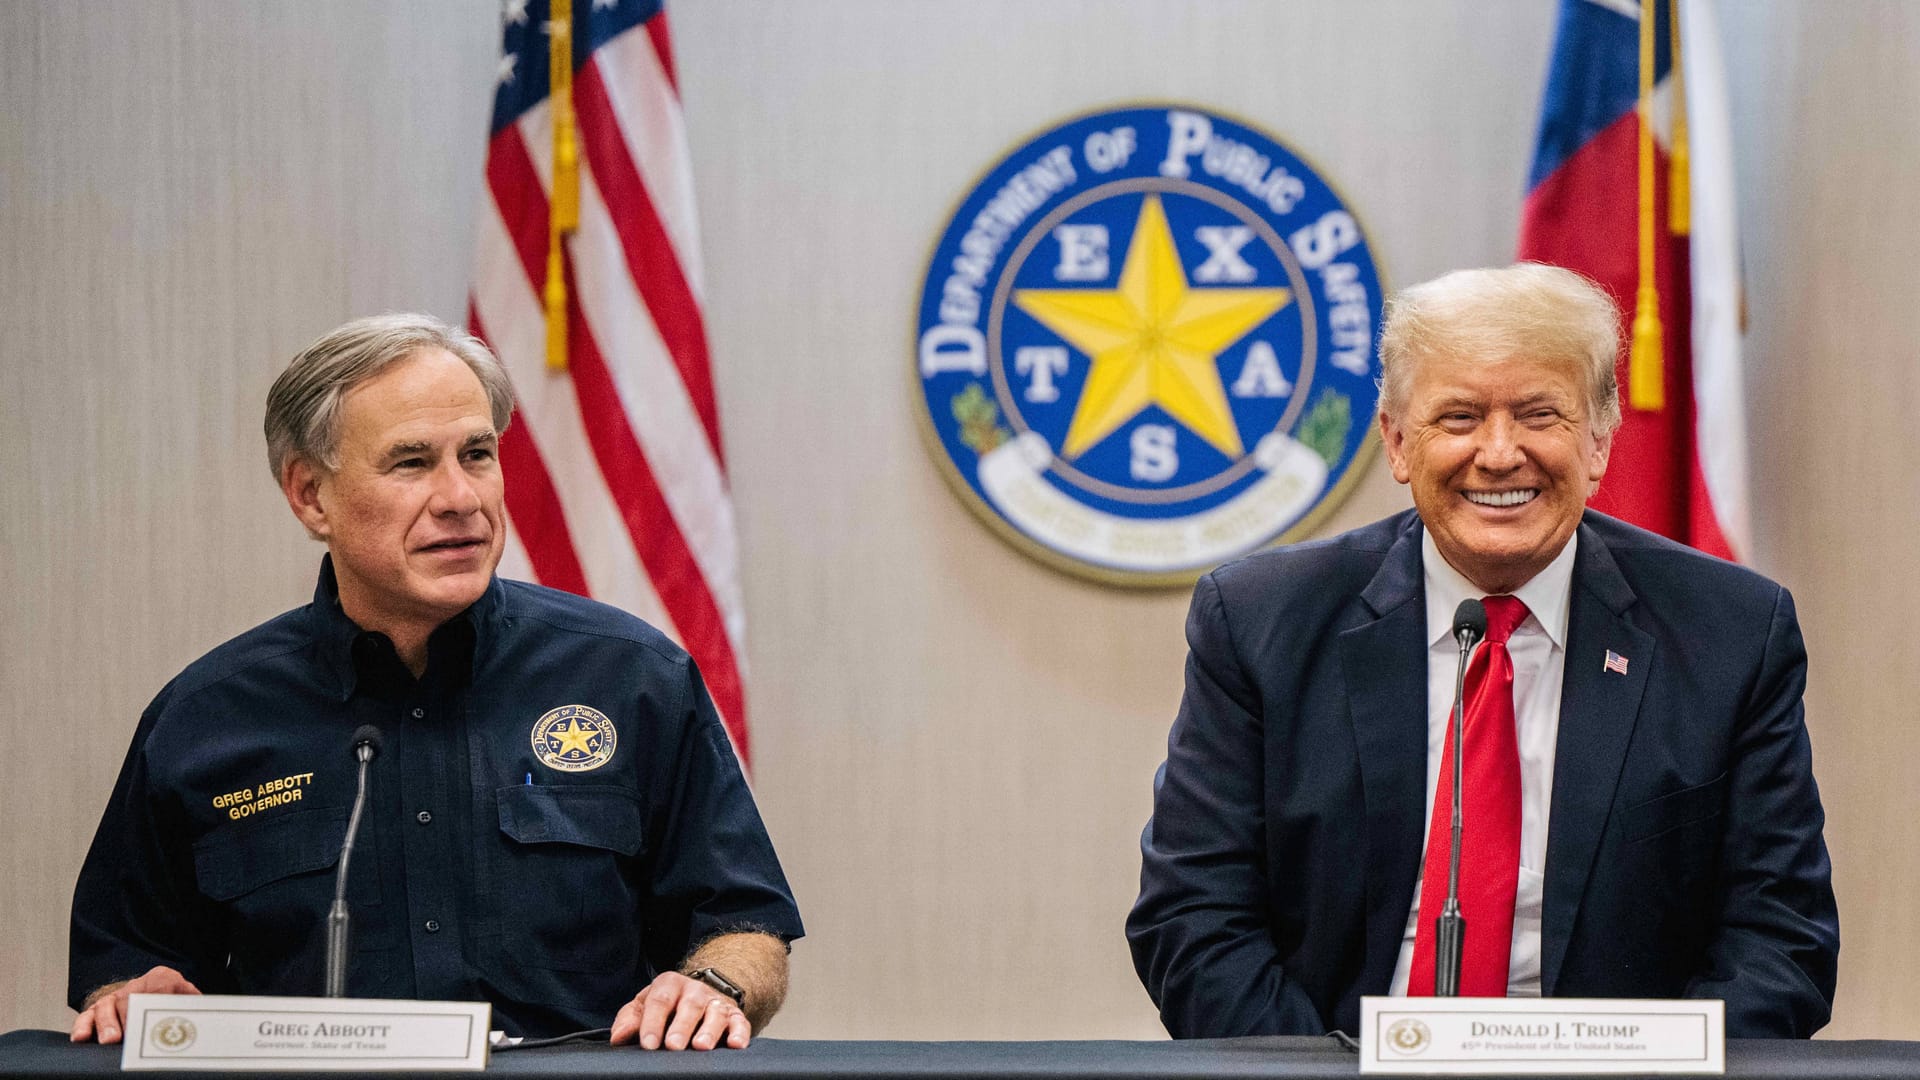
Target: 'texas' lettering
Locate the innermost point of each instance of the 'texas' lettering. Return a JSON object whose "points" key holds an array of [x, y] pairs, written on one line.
{"points": [[1145, 344]]}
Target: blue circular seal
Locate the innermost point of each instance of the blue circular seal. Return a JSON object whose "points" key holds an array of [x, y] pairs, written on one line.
{"points": [[1146, 344]]}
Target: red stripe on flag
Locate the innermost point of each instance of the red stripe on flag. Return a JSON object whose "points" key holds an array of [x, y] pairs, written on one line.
{"points": [[656, 536], [523, 205], [515, 184], [663, 48], [649, 252], [534, 504]]}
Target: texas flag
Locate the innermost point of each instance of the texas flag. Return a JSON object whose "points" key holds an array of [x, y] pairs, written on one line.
{"points": [[1632, 185]]}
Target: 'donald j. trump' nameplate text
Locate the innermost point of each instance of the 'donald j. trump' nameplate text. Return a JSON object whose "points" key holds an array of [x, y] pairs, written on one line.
{"points": [[288, 1034], [1541, 1035]]}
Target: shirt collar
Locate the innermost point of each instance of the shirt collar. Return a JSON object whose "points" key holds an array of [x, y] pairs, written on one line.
{"points": [[337, 636], [1546, 594]]}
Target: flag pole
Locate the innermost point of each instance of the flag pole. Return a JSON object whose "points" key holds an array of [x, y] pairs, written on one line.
{"points": [[1646, 362], [564, 217]]}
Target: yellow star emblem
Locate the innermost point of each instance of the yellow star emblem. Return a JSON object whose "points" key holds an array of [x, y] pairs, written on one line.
{"points": [[573, 737], [1153, 340]]}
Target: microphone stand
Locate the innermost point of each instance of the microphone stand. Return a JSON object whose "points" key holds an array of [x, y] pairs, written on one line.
{"points": [[363, 750], [1450, 927]]}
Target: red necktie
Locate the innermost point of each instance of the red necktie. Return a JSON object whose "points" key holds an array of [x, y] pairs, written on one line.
{"points": [[1489, 826]]}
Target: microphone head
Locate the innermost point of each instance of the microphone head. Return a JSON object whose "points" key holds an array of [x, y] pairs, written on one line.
{"points": [[1470, 619], [369, 736]]}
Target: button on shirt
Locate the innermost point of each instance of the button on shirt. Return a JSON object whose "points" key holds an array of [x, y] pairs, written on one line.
{"points": [[1539, 651], [552, 876]]}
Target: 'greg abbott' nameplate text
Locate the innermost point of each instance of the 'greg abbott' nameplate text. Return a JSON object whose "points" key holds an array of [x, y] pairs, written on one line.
{"points": [[1541, 1035], [259, 1034]]}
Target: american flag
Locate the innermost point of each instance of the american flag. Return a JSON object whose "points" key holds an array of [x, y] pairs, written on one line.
{"points": [[616, 479], [1615, 663]]}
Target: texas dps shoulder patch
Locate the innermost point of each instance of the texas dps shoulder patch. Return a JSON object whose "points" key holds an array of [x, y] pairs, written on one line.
{"points": [[574, 738], [1146, 345]]}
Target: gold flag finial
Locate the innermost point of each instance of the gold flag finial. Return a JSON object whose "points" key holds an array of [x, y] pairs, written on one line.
{"points": [[1646, 359], [564, 215]]}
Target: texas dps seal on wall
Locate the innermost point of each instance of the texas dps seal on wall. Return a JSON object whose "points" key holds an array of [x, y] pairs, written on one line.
{"points": [[1146, 344]]}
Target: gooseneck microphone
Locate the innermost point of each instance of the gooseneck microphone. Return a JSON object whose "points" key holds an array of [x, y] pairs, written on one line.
{"points": [[1449, 927], [366, 747]]}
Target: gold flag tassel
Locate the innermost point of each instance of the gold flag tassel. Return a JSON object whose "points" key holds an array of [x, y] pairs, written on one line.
{"points": [[1679, 169], [564, 215], [1646, 362]]}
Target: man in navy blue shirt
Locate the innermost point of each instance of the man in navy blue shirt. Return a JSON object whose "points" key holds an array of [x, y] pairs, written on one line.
{"points": [[557, 823]]}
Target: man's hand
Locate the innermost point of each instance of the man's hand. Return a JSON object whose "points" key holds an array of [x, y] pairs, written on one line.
{"points": [[104, 1014], [677, 1012]]}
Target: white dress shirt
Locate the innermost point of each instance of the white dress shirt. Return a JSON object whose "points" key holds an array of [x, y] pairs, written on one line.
{"points": [[1539, 651]]}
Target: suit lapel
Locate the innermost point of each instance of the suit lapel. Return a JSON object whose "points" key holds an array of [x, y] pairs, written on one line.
{"points": [[1384, 664], [1598, 709]]}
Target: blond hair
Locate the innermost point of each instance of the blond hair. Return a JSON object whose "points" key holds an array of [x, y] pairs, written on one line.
{"points": [[1525, 310]]}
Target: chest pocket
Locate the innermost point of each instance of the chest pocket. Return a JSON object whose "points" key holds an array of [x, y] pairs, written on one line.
{"points": [[594, 816], [1675, 810], [233, 862], [273, 880], [567, 882]]}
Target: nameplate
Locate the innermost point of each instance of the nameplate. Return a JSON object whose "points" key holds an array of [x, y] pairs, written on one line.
{"points": [[1541, 1035], [289, 1034]]}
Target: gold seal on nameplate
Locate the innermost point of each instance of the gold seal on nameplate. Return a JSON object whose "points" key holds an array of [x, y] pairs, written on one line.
{"points": [[172, 1034], [1409, 1036]]}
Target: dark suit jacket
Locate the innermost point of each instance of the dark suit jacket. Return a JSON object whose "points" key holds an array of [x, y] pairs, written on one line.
{"points": [[1684, 852]]}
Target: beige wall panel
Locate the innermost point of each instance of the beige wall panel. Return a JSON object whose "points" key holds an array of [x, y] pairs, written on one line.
{"points": [[1829, 153], [955, 745], [189, 193]]}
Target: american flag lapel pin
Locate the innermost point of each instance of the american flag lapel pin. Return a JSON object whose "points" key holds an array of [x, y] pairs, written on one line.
{"points": [[1615, 663]]}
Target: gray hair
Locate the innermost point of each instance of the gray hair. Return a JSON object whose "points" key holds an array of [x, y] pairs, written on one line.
{"points": [[303, 408], [1524, 310]]}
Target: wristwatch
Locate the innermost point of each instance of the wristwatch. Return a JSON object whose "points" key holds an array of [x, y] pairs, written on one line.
{"points": [[721, 983]]}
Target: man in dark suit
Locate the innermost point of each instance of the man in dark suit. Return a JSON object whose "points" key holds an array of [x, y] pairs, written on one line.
{"points": [[1668, 828]]}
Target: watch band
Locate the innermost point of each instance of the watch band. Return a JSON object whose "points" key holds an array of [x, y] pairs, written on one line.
{"points": [[721, 983]]}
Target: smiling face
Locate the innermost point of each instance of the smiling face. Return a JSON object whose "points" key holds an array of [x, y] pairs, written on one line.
{"points": [[1501, 455], [413, 514]]}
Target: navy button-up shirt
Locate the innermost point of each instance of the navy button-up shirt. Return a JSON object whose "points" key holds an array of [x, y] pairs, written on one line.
{"points": [[555, 817]]}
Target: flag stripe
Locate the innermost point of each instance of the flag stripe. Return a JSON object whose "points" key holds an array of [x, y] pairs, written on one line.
{"points": [[531, 500], [511, 178], [1719, 388], [649, 252], [662, 549], [691, 480], [507, 291], [648, 114], [663, 49]]}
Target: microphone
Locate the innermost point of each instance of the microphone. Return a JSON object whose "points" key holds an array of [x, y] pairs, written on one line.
{"points": [[1449, 927], [366, 747]]}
